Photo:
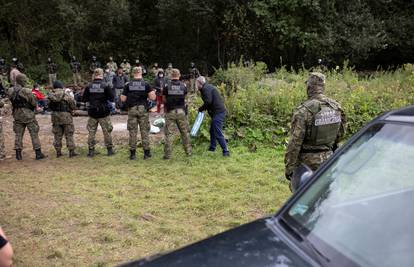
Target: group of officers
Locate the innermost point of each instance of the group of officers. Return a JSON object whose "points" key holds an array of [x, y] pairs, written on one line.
{"points": [[97, 95], [317, 127]]}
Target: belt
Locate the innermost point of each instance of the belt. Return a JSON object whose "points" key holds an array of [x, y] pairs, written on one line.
{"points": [[175, 110], [315, 150]]}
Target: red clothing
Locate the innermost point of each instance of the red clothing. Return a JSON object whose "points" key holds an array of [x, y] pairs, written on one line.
{"points": [[38, 94]]}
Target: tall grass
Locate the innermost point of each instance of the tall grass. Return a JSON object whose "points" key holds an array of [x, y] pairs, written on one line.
{"points": [[260, 105]]}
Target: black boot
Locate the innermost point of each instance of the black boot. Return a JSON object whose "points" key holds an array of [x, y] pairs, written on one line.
{"points": [[132, 156], [91, 152], [72, 153], [19, 154], [39, 154], [110, 151], [147, 154], [58, 153]]}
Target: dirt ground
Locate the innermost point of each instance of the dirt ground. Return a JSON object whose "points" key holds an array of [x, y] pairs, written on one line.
{"points": [[119, 135]]}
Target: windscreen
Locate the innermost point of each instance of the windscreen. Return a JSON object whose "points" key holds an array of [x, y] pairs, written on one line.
{"points": [[361, 206]]}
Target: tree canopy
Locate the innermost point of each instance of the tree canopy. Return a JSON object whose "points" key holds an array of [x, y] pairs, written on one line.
{"points": [[211, 33]]}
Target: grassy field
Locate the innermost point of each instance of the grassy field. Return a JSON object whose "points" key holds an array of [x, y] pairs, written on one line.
{"points": [[104, 211]]}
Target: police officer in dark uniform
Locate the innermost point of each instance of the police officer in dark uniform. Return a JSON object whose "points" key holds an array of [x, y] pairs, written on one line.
{"points": [[97, 94], [94, 65], [136, 94]]}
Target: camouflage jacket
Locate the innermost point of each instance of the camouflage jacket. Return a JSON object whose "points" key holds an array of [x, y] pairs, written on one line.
{"points": [[52, 68], [23, 115], [56, 98], [301, 120]]}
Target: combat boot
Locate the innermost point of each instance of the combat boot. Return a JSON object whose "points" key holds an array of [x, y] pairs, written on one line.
{"points": [[58, 153], [72, 153], [39, 154], [91, 152], [110, 151], [19, 154], [132, 155], [147, 154]]}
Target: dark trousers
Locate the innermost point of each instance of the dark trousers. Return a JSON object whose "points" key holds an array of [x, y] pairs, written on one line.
{"points": [[216, 132]]}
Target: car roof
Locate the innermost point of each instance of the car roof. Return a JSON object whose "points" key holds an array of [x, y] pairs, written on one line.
{"points": [[401, 115]]}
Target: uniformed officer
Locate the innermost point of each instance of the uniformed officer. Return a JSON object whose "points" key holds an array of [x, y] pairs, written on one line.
{"points": [[317, 127], [112, 65], [75, 66], [97, 94], [126, 66], [51, 68], [174, 94], [62, 105], [3, 70], [194, 74], [94, 65], [168, 71], [135, 94], [24, 105]]}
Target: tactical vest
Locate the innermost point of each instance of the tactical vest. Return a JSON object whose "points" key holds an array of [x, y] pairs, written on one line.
{"points": [[175, 95], [325, 124], [59, 106], [137, 94], [19, 102], [98, 106]]}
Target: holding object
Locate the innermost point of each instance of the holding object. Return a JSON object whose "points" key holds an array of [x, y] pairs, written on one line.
{"points": [[197, 124]]}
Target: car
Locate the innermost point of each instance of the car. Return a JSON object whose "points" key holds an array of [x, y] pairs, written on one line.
{"points": [[353, 211]]}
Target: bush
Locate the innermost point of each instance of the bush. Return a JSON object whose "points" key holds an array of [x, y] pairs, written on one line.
{"points": [[260, 106]]}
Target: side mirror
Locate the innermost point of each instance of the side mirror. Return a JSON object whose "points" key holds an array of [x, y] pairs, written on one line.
{"points": [[300, 176]]}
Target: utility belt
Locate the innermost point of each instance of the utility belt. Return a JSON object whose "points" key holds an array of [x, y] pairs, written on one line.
{"points": [[304, 151]]}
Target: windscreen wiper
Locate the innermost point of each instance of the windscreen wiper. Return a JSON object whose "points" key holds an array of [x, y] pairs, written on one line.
{"points": [[321, 258]]}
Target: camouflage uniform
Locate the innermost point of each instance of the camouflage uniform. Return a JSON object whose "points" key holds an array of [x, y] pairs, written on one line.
{"points": [[75, 66], [112, 66], [317, 127], [97, 94], [126, 67], [52, 70], [24, 104], [194, 74], [137, 91], [168, 72], [62, 106], [2, 148], [174, 93], [94, 65]]}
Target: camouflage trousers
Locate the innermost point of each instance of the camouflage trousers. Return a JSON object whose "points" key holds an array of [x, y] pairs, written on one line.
{"points": [[60, 130], [52, 79], [77, 79], [172, 118], [192, 85], [107, 128], [138, 116], [2, 148], [314, 160], [19, 129]]}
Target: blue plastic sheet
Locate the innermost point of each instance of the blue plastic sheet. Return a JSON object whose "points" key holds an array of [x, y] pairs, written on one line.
{"points": [[197, 124]]}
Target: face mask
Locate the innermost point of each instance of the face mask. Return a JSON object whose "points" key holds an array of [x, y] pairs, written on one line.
{"points": [[160, 75]]}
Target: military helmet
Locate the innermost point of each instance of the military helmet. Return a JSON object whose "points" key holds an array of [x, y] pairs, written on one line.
{"points": [[315, 83]]}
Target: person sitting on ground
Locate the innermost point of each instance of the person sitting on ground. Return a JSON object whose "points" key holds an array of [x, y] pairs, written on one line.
{"points": [[40, 98], [6, 251]]}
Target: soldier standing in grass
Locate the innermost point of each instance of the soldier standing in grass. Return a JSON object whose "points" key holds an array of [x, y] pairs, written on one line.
{"points": [[135, 94], [174, 94], [318, 125], [24, 105], [52, 71], [97, 94], [62, 106]]}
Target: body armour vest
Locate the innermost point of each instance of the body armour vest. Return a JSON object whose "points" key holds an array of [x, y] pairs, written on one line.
{"points": [[175, 95], [98, 106], [18, 101], [137, 93], [325, 124]]}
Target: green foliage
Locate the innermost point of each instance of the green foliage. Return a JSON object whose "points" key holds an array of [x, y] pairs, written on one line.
{"points": [[261, 109]]}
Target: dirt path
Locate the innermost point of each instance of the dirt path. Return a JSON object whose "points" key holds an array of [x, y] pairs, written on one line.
{"points": [[119, 134]]}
